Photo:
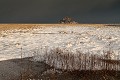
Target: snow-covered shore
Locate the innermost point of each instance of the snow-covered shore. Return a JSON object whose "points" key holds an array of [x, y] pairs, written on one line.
{"points": [[31, 42]]}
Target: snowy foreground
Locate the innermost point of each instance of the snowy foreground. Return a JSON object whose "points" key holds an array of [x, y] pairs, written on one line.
{"points": [[36, 41]]}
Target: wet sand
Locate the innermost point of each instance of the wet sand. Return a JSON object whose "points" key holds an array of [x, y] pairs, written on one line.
{"points": [[15, 69]]}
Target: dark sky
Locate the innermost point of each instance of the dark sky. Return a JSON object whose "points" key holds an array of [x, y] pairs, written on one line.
{"points": [[51, 11]]}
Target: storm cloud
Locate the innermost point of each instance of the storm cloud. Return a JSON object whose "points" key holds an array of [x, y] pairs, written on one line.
{"points": [[50, 11]]}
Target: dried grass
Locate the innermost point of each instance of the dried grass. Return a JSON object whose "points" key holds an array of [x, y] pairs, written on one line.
{"points": [[66, 60]]}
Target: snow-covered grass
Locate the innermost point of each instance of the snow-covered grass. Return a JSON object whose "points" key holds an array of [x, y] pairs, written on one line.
{"points": [[35, 41]]}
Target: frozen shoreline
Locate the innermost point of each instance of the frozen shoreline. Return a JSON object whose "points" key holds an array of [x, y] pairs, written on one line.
{"points": [[21, 43], [31, 42]]}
